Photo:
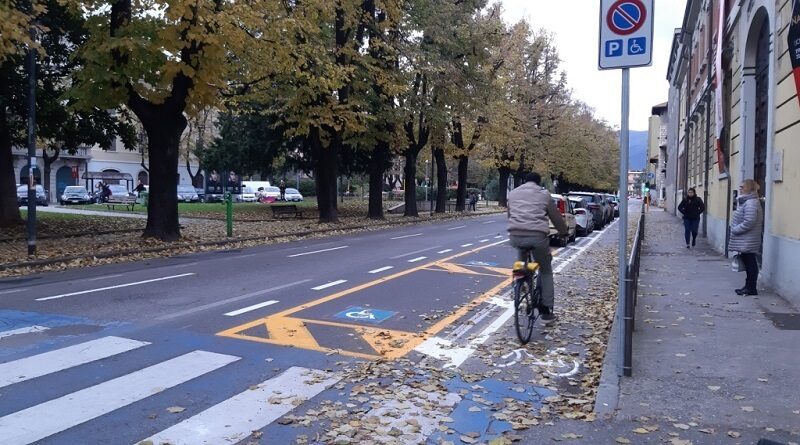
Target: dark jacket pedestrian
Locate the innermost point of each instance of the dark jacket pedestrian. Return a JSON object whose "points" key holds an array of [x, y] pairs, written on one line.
{"points": [[282, 188], [747, 226], [692, 207]]}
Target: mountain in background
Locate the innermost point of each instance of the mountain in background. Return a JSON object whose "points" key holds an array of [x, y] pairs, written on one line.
{"points": [[638, 150]]}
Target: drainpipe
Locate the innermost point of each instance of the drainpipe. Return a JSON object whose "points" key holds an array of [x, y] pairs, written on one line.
{"points": [[709, 61], [687, 135]]}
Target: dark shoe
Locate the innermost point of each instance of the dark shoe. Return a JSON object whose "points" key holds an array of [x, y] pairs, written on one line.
{"points": [[694, 242], [741, 289], [549, 318], [750, 292], [688, 247]]}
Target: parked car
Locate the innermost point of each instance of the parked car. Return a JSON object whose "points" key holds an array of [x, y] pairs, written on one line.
{"points": [[187, 193], [583, 215], [595, 204], [200, 194], [565, 207], [75, 194], [248, 195], [269, 192], [41, 196], [293, 195], [614, 202]]}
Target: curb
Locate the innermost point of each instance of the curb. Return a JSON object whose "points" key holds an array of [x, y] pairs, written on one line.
{"points": [[48, 262], [607, 399]]}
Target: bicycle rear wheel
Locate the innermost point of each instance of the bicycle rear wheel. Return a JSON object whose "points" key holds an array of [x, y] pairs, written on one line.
{"points": [[523, 310]]}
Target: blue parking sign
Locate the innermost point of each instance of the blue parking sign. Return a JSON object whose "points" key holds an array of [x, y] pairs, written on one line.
{"points": [[614, 48]]}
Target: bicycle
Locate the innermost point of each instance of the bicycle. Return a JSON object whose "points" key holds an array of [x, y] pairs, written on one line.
{"points": [[527, 297]]}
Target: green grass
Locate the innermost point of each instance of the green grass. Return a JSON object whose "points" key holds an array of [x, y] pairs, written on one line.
{"points": [[205, 209]]}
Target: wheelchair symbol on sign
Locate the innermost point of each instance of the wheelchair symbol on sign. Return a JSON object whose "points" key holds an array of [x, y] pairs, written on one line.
{"points": [[365, 314], [635, 48]]}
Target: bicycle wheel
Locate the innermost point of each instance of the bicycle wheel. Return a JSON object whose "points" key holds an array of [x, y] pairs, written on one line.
{"points": [[524, 310]]}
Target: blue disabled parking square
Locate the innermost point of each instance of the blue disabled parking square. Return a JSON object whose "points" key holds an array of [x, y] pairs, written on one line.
{"points": [[614, 48], [637, 46], [367, 315]]}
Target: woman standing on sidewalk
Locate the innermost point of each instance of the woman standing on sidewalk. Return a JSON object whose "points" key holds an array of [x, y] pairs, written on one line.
{"points": [[746, 228], [691, 207]]}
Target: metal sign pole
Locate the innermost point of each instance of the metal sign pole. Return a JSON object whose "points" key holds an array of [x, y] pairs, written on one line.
{"points": [[32, 146], [623, 210]]}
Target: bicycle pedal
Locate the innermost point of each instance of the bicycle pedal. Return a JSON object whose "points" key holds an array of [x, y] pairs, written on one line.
{"points": [[533, 267], [518, 266]]}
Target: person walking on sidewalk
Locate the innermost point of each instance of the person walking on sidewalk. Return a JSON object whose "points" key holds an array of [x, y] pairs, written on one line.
{"points": [[530, 210], [691, 207], [746, 232]]}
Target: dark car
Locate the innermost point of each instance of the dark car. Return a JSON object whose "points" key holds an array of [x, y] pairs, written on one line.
{"points": [[614, 201], [597, 205], [75, 194], [41, 196]]}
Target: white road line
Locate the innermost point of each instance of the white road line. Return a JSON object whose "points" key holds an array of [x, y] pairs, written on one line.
{"points": [[51, 417], [25, 330], [317, 251], [498, 237], [414, 252], [55, 297], [466, 245], [382, 269], [484, 241], [60, 359], [180, 266], [331, 284], [105, 277], [489, 222], [12, 291], [239, 257], [228, 301], [445, 251], [418, 259], [251, 308], [456, 228], [234, 419], [406, 236]]}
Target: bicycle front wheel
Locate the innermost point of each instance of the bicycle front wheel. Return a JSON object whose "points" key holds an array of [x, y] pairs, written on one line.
{"points": [[523, 310]]}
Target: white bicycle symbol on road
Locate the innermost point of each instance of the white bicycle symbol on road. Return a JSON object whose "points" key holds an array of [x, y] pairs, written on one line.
{"points": [[556, 365]]}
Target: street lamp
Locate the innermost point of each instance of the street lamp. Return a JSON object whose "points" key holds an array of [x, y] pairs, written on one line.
{"points": [[31, 59]]}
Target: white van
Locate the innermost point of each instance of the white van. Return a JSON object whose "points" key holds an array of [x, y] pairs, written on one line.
{"points": [[255, 185]]}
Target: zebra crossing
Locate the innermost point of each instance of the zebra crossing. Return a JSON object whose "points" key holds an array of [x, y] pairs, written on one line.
{"points": [[227, 422]]}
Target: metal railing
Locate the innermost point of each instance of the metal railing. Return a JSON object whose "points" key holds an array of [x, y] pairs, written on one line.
{"points": [[632, 294]]}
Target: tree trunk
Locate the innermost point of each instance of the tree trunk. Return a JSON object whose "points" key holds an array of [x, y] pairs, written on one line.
{"points": [[163, 144], [326, 166], [441, 181], [461, 193], [502, 187], [48, 166], [411, 183], [377, 166], [9, 209]]}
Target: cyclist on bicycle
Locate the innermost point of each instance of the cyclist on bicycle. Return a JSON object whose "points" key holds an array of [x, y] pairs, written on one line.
{"points": [[529, 209]]}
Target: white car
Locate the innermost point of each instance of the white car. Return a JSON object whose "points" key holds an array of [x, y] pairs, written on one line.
{"points": [[269, 192], [187, 193], [583, 216], [293, 195], [564, 206], [248, 195]]}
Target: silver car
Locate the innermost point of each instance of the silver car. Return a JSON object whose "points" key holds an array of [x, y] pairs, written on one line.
{"points": [[583, 215], [293, 195]]}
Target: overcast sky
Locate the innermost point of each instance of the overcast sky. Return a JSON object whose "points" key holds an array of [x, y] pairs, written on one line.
{"points": [[575, 25]]}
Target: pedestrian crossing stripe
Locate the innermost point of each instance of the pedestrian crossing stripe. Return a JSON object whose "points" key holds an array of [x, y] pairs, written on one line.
{"points": [[284, 329]]}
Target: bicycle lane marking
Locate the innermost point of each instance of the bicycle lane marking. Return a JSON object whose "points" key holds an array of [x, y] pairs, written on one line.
{"points": [[443, 348]]}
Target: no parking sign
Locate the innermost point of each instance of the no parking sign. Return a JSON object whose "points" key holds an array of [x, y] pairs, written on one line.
{"points": [[626, 33]]}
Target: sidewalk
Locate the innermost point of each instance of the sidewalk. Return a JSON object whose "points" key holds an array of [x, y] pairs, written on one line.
{"points": [[709, 366]]}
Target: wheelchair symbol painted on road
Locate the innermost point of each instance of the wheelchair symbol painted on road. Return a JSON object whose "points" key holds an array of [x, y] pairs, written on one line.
{"points": [[369, 315]]}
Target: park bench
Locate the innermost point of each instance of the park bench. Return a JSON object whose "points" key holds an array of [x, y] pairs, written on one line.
{"points": [[286, 210], [125, 201]]}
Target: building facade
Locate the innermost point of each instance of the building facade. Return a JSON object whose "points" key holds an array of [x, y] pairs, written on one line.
{"points": [[747, 71], [656, 169]]}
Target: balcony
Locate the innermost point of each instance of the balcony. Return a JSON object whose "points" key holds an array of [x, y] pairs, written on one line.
{"points": [[79, 153]]}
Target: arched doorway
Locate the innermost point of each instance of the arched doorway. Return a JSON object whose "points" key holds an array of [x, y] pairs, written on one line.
{"points": [[761, 117], [25, 173], [63, 179], [143, 177], [111, 181]]}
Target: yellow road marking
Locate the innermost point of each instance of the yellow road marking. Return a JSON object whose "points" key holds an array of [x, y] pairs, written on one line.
{"points": [[285, 330]]}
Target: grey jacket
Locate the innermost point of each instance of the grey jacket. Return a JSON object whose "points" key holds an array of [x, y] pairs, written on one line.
{"points": [[530, 210], [747, 225]]}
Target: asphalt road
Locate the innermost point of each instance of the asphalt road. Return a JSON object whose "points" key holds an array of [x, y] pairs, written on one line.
{"points": [[102, 354]]}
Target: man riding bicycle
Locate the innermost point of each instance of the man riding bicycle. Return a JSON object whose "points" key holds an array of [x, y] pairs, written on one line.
{"points": [[530, 208]]}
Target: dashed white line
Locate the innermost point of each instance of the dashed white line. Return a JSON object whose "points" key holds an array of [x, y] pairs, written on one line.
{"points": [[466, 245], [251, 308], [498, 237], [414, 252], [105, 277], [331, 284], [489, 222], [418, 259], [382, 269], [12, 291], [484, 241], [317, 251], [406, 236], [55, 297], [456, 228], [445, 251]]}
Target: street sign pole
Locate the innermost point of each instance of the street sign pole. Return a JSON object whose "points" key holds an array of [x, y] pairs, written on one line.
{"points": [[32, 146], [624, 142]]}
